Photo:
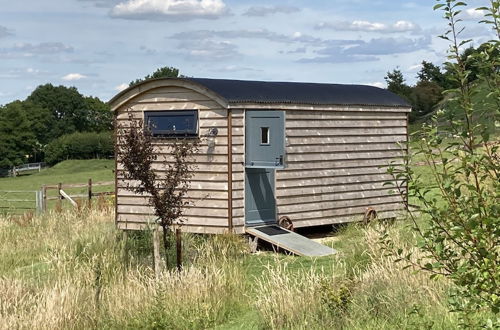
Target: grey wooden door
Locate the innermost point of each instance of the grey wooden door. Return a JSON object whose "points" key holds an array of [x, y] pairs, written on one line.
{"points": [[264, 139], [260, 201]]}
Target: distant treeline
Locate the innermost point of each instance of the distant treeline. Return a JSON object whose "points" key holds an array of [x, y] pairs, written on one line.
{"points": [[34, 130], [432, 81]]}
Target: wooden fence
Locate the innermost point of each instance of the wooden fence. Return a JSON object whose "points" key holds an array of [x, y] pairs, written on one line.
{"points": [[22, 201], [62, 194]]}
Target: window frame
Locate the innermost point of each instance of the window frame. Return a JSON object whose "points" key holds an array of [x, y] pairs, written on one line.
{"points": [[166, 134]]}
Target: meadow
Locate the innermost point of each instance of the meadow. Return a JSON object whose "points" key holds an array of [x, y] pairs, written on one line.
{"points": [[75, 270]]}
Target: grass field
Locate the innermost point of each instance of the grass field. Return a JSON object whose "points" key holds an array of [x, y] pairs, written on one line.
{"points": [[66, 172], [74, 270]]}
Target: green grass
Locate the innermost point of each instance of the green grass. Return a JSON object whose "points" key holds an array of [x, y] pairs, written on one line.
{"points": [[66, 172]]}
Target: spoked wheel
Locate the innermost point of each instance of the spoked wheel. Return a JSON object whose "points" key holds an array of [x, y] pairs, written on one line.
{"points": [[370, 215], [286, 223]]}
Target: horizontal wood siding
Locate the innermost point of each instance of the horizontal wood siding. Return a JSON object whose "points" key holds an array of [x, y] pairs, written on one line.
{"points": [[337, 164], [207, 211]]}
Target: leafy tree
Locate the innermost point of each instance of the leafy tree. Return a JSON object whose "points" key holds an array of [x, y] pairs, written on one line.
{"points": [[425, 95], [167, 190], [163, 72], [432, 73], [100, 116], [70, 111], [396, 83], [16, 137], [80, 145], [460, 231]]}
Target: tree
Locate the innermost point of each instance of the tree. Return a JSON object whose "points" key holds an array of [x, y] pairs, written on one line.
{"points": [[163, 72], [432, 73], [167, 191], [16, 137], [396, 83], [425, 95], [459, 233], [70, 111]]}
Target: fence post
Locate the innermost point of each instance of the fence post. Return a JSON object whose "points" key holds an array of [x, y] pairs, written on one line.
{"points": [[156, 252], [90, 193], [59, 197], [39, 201], [44, 198]]}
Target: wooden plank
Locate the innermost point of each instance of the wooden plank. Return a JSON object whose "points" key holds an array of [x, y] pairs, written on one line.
{"points": [[337, 204], [319, 156], [342, 219], [189, 229], [345, 123], [195, 185], [348, 163], [340, 139], [356, 131], [207, 212], [342, 147], [291, 173], [189, 219], [199, 202], [332, 181], [332, 197], [346, 187], [306, 215], [66, 196], [180, 105], [328, 115], [195, 194]]}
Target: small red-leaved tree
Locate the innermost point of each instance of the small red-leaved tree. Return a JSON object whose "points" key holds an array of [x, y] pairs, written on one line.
{"points": [[166, 186]]}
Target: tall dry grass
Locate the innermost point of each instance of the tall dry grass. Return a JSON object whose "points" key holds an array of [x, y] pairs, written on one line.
{"points": [[73, 270]]}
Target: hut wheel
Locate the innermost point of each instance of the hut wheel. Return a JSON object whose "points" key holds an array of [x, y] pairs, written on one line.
{"points": [[370, 215], [286, 223]]}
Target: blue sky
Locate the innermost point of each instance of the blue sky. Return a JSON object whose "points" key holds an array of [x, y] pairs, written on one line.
{"points": [[99, 46]]}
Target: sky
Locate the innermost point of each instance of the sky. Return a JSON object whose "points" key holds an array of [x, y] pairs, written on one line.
{"points": [[99, 46]]}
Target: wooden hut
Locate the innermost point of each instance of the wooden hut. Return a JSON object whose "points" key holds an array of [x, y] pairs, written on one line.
{"points": [[312, 152]]}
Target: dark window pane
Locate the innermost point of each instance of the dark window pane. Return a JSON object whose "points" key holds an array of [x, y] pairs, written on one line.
{"points": [[264, 135], [171, 123]]}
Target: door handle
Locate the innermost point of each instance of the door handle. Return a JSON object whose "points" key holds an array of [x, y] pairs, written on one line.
{"points": [[279, 160]]}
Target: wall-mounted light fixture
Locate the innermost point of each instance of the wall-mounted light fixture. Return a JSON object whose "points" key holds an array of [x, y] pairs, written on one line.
{"points": [[211, 135]]}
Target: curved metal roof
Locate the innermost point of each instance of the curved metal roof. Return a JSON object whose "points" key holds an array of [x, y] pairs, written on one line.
{"points": [[246, 91]]}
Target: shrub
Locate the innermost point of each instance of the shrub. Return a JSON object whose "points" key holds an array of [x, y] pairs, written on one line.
{"points": [[85, 145]]}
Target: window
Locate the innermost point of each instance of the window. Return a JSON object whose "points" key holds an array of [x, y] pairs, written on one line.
{"points": [[172, 123], [264, 135]]}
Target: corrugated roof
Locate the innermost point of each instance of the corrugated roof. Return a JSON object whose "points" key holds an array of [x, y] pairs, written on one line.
{"points": [[245, 91]]}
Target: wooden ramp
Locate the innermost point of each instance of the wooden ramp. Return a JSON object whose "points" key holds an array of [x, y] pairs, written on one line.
{"points": [[290, 241]]}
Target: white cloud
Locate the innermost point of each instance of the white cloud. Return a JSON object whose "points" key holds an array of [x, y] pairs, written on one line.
{"points": [[28, 50], [377, 84], [414, 67], [265, 11], [472, 14], [121, 87], [366, 26], [73, 76], [169, 9]]}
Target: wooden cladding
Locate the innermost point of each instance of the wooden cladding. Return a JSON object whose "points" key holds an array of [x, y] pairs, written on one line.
{"points": [[336, 155], [337, 165]]}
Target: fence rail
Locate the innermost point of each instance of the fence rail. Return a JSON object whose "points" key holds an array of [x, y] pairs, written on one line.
{"points": [[17, 201]]}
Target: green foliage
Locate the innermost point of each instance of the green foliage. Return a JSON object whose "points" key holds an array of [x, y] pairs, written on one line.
{"points": [[87, 145], [16, 137], [460, 237], [70, 111], [163, 72]]}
